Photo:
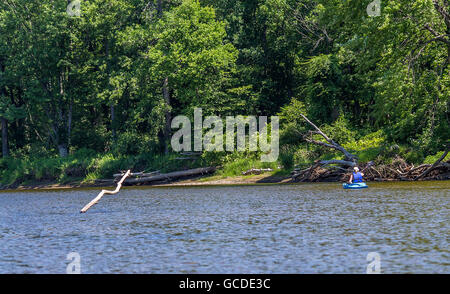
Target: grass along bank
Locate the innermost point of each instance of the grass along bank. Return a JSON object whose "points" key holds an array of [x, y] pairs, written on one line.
{"points": [[85, 166]]}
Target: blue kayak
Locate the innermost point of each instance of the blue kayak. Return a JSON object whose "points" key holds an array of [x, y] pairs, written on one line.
{"points": [[354, 186]]}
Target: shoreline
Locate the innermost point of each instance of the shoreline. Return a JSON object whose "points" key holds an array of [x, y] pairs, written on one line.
{"points": [[206, 180]]}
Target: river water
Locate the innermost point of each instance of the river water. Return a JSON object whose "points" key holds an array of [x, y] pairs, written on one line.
{"points": [[304, 228]]}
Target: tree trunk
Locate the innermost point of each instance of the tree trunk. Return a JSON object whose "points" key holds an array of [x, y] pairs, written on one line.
{"points": [[63, 127], [62, 149], [4, 122], [69, 124], [5, 147], [113, 126], [166, 95]]}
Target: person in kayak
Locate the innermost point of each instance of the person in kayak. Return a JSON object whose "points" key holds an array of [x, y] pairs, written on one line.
{"points": [[356, 176]]}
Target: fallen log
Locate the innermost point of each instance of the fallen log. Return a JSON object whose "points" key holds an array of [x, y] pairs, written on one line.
{"points": [[172, 175], [103, 192], [422, 175]]}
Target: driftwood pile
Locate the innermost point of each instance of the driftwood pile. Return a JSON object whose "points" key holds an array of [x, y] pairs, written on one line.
{"points": [[401, 170], [398, 170], [318, 173]]}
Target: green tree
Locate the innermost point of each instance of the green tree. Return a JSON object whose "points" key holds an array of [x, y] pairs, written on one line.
{"points": [[182, 65]]}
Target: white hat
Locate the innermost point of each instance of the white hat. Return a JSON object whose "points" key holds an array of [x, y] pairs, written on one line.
{"points": [[356, 169]]}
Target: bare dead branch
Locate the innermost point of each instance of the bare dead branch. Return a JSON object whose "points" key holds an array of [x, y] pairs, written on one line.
{"points": [[331, 143], [103, 192]]}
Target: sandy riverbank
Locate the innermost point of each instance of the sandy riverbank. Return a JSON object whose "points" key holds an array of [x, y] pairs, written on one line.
{"points": [[197, 181]]}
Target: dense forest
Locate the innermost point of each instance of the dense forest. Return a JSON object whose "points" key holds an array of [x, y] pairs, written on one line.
{"points": [[83, 96]]}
